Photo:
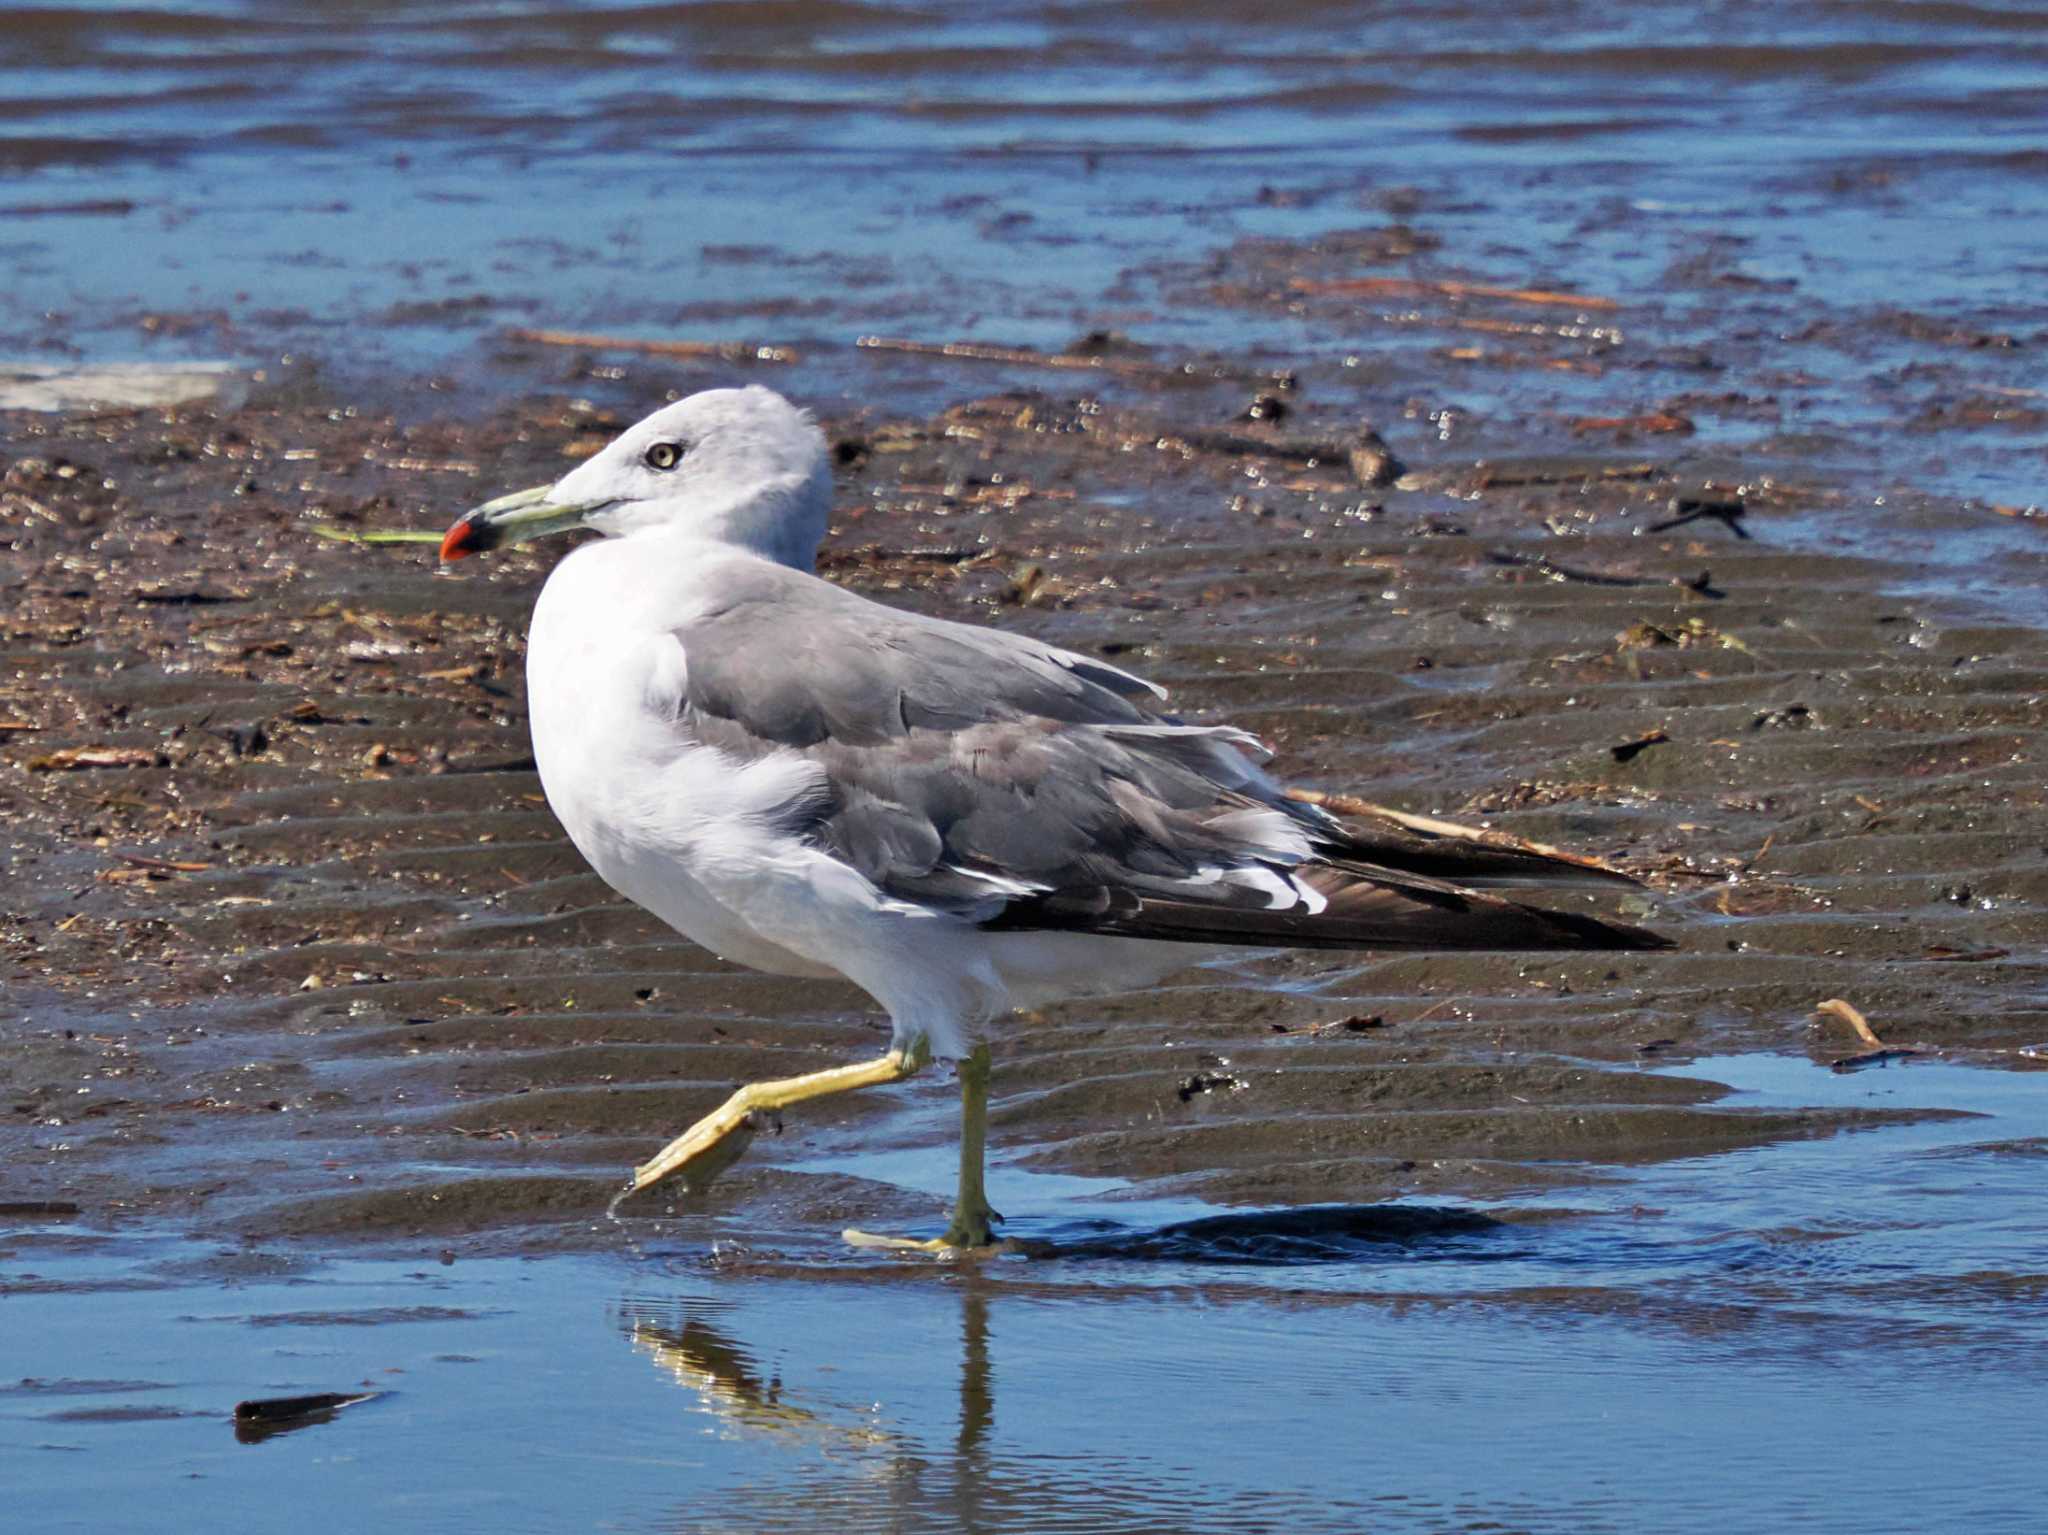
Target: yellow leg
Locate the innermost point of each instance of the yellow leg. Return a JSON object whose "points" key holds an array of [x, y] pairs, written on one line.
{"points": [[971, 1213], [972, 1219], [694, 1150]]}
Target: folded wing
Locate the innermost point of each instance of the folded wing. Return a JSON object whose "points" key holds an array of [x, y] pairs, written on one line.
{"points": [[1019, 786]]}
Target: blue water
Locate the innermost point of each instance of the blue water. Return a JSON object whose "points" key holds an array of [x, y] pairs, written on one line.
{"points": [[1767, 1339], [989, 170], [1839, 212], [584, 1395]]}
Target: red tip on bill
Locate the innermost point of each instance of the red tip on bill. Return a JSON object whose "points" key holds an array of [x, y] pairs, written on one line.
{"points": [[461, 540]]}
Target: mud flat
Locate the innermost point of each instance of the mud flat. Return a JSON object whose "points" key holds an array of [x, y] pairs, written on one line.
{"points": [[294, 944]]}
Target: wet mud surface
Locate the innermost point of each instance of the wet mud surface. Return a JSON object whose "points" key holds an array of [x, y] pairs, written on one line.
{"points": [[284, 884]]}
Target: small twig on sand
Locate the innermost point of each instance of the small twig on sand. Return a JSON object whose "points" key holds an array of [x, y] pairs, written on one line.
{"points": [[1878, 1053], [71, 758], [1628, 751], [1499, 476], [1835, 1007], [977, 351], [724, 351], [1652, 421], [1084, 362], [161, 865], [1701, 584], [1726, 510], [386, 536], [1422, 287]]}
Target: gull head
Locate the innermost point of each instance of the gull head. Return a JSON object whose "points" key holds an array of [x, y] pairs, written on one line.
{"points": [[742, 467]]}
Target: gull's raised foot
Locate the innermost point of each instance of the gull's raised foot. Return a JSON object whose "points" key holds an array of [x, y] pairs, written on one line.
{"points": [[717, 1140], [700, 1155]]}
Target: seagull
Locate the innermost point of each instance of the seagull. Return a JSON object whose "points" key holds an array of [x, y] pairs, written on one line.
{"points": [[961, 821]]}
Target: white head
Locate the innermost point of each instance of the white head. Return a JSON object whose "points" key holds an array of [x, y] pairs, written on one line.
{"points": [[733, 466]]}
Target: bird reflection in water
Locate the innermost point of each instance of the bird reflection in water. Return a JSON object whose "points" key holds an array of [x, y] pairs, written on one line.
{"points": [[890, 1466], [748, 1401], [731, 1388]]}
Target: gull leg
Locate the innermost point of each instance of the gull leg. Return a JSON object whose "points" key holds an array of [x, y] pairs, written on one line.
{"points": [[972, 1216], [697, 1148], [970, 1226]]}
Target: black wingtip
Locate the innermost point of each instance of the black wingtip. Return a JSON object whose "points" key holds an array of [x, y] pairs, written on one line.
{"points": [[1365, 915], [1598, 933]]}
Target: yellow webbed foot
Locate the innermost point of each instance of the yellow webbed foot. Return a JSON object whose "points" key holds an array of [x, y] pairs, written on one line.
{"points": [[937, 1247], [716, 1141]]}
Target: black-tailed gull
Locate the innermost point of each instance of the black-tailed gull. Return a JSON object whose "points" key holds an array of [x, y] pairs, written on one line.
{"points": [[960, 821]]}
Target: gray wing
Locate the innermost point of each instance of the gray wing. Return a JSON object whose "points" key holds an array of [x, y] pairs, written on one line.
{"points": [[799, 662], [1020, 786]]}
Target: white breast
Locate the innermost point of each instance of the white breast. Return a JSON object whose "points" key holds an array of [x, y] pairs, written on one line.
{"points": [[650, 808]]}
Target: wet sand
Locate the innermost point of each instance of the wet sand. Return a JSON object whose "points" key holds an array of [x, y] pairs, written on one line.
{"points": [[285, 882]]}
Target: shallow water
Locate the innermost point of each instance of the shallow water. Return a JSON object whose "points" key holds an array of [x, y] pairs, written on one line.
{"points": [[1818, 209], [1768, 1339]]}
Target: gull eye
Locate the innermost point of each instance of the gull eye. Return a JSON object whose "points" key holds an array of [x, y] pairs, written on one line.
{"points": [[663, 455]]}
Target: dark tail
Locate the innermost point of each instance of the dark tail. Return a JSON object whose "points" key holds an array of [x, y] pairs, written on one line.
{"points": [[1364, 906], [1385, 880]]}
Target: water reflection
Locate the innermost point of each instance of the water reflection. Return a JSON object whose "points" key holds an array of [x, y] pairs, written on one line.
{"points": [[1413, 1367], [1092, 1437], [730, 1386], [977, 1385], [897, 1482], [936, 1462], [733, 1387]]}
